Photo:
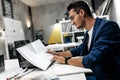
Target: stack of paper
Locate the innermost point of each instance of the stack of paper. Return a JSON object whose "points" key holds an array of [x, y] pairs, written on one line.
{"points": [[36, 54]]}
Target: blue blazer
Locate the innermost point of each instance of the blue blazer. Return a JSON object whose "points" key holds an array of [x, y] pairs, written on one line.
{"points": [[104, 54]]}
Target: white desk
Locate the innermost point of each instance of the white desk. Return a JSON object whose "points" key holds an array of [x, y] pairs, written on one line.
{"points": [[42, 74], [38, 74], [67, 73], [56, 70]]}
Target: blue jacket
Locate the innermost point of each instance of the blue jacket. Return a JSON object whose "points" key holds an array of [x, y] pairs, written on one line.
{"points": [[104, 54]]}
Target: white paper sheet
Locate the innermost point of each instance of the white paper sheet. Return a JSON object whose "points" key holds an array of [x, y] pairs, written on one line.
{"points": [[11, 64]]}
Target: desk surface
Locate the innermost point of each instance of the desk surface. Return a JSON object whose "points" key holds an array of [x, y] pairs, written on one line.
{"points": [[68, 72], [61, 71], [49, 76], [37, 74]]}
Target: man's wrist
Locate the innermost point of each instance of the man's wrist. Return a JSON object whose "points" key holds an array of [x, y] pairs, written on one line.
{"points": [[55, 53], [66, 59]]}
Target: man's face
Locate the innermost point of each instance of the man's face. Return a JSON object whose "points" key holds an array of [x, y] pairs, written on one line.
{"points": [[76, 18]]}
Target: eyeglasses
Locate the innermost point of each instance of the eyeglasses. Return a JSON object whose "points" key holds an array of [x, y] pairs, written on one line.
{"points": [[72, 17], [77, 11]]}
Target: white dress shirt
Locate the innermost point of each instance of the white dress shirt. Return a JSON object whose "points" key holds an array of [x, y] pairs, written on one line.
{"points": [[90, 37]]}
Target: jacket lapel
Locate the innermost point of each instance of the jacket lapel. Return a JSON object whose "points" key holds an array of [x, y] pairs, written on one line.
{"points": [[95, 29], [85, 43]]}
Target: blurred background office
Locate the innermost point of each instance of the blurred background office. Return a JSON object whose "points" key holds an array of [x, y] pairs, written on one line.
{"points": [[22, 20]]}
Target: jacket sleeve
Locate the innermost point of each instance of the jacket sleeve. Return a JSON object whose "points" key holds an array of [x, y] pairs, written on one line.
{"points": [[76, 51], [107, 39]]}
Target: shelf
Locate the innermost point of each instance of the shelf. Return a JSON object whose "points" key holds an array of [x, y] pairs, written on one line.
{"points": [[69, 32]]}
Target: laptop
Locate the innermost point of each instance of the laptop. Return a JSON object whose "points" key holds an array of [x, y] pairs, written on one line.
{"points": [[22, 61]]}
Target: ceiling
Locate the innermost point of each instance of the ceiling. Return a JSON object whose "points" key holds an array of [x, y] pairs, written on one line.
{"points": [[34, 3]]}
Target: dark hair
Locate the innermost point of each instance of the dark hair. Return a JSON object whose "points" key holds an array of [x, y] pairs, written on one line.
{"points": [[80, 5]]}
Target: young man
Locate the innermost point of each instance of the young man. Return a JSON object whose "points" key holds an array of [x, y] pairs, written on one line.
{"points": [[100, 49]]}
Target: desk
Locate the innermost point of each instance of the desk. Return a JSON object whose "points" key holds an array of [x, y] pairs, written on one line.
{"points": [[49, 75], [61, 71], [33, 75], [37, 73]]}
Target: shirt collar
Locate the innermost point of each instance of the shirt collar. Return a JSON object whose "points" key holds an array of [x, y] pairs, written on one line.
{"points": [[90, 31]]}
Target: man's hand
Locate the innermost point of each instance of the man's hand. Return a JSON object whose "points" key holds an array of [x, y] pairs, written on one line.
{"points": [[51, 52], [77, 61], [64, 54], [72, 61], [59, 59]]}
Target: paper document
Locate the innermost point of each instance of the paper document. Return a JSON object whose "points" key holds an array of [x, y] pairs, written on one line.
{"points": [[36, 54], [64, 69]]}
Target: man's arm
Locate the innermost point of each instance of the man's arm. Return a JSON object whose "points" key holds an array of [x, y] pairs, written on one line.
{"points": [[64, 54], [61, 58], [76, 61]]}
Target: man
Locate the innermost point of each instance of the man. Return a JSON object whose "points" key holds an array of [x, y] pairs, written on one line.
{"points": [[102, 52]]}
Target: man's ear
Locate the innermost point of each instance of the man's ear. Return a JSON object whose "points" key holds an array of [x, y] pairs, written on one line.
{"points": [[82, 12]]}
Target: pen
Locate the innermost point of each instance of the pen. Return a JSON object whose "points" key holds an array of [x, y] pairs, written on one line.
{"points": [[9, 78], [23, 74], [24, 70]]}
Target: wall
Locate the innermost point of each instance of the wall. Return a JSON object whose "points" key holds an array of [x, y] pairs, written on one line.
{"points": [[116, 6], [2, 41], [114, 13], [20, 12], [44, 17]]}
